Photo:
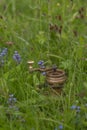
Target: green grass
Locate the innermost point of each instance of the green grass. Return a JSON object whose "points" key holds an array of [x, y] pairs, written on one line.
{"points": [[26, 23]]}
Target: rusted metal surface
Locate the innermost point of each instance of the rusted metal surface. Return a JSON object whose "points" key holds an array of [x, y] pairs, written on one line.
{"points": [[54, 77]]}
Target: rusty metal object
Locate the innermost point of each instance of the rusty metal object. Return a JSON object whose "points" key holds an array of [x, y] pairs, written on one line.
{"points": [[54, 77]]}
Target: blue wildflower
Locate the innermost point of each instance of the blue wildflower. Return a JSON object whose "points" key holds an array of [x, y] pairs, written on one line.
{"points": [[41, 62], [11, 100], [77, 108], [41, 65], [17, 57], [73, 107], [43, 73], [4, 52], [60, 127]]}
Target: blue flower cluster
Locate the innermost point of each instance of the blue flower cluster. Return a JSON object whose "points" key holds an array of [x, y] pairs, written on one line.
{"points": [[2, 54], [17, 57], [11, 100], [12, 108], [74, 107], [42, 66], [60, 127]]}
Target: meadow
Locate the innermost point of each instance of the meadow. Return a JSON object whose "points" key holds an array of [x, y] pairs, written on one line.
{"points": [[53, 31]]}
